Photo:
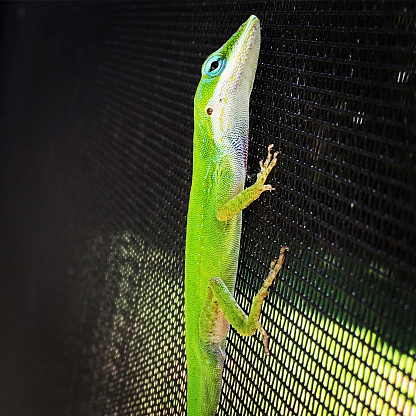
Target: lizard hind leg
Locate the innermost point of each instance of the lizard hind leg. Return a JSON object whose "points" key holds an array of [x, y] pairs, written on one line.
{"points": [[245, 325], [275, 266]]}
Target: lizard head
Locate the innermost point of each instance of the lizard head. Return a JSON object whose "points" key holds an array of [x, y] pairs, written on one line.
{"points": [[223, 94]]}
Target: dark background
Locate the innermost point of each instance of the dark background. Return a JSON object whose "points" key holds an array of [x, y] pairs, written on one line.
{"points": [[42, 212]]}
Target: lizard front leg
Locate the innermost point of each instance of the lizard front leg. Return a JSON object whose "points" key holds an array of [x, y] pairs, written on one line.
{"points": [[250, 194]]}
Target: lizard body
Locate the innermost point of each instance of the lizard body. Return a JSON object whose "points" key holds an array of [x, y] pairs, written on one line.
{"points": [[221, 114]]}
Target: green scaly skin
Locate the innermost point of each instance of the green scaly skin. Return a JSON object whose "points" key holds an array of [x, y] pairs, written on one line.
{"points": [[221, 113]]}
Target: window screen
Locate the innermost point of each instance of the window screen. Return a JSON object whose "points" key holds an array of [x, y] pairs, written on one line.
{"points": [[96, 151]]}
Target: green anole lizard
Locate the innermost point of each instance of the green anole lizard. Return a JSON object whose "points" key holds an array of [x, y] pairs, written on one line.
{"points": [[221, 114]]}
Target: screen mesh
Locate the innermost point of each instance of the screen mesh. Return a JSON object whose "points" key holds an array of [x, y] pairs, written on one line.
{"points": [[97, 117]]}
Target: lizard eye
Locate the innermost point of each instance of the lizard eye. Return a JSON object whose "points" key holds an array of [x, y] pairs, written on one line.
{"points": [[214, 65]]}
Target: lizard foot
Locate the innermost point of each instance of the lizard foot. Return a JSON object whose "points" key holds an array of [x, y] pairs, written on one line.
{"points": [[266, 167], [275, 266]]}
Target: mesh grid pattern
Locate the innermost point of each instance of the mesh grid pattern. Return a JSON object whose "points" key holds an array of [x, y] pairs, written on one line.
{"points": [[106, 115]]}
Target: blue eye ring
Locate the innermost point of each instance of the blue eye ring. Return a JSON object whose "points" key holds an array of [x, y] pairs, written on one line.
{"points": [[214, 65]]}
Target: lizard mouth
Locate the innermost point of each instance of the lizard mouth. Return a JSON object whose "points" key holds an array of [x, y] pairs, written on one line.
{"points": [[241, 68]]}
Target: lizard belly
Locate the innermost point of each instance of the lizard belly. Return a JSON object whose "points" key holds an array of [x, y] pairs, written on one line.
{"points": [[220, 328], [213, 326]]}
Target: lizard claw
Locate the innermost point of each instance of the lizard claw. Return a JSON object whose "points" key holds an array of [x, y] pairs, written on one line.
{"points": [[267, 165], [265, 339], [283, 249]]}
